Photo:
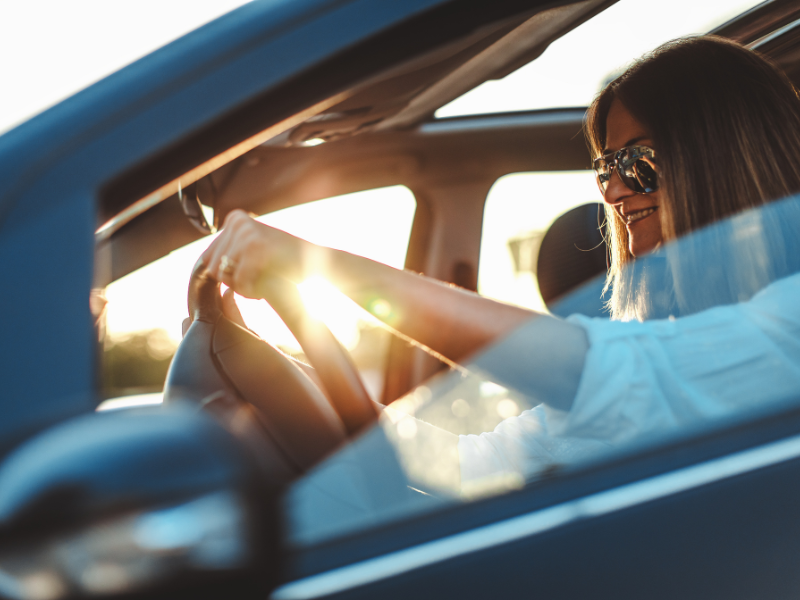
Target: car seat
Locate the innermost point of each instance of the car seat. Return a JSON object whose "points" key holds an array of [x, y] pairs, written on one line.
{"points": [[572, 262]]}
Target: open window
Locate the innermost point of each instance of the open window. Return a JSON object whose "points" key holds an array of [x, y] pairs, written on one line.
{"points": [[145, 309], [520, 209]]}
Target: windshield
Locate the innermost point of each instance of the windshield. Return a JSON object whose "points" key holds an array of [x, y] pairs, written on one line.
{"points": [[719, 345]]}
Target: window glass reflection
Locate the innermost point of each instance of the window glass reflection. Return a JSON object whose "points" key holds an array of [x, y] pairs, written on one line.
{"points": [[721, 346]]}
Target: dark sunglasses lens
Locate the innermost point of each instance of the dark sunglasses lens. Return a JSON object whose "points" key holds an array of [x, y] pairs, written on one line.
{"points": [[603, 173], [637, 169]]}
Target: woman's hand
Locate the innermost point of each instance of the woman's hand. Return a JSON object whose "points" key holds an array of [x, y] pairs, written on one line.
{"points": [[451, 321], [246, 250], [229, 308]]}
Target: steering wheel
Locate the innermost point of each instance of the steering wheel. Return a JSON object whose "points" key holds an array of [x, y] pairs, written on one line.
{"points": [[258, 391]]}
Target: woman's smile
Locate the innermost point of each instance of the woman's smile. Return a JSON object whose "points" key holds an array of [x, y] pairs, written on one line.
{"points": [[638, 215], [639, 212]]}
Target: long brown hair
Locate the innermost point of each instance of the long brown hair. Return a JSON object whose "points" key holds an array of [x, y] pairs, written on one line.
{"points": [[725, 123]]}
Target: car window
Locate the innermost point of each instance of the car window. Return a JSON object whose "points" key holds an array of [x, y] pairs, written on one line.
{"points": [[718, 348], [145, 309], [519, 210], [585, 59]]}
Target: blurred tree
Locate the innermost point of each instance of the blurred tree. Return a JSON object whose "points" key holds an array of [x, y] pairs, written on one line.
{"points": [[136, 363]]}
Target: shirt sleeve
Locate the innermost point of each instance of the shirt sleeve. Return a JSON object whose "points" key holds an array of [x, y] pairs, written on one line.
{"points": [[645, 379]]}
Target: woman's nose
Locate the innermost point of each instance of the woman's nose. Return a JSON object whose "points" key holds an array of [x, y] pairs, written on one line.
{"points": [[615, 190]]}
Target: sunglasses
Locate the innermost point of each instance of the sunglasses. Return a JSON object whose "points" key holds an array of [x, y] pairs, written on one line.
{"points": [[635, 165]]}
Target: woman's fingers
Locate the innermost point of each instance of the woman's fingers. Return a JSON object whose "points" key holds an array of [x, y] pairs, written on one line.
{"points": [[253, 259], [230, 308], [222, 249], [246, 249], [240, 254]]}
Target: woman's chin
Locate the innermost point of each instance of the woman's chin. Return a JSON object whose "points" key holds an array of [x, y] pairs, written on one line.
{"points": [[644, 235], [639, 248]]}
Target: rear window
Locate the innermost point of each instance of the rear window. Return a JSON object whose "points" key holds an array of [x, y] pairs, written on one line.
{"points": [[520, 208]]}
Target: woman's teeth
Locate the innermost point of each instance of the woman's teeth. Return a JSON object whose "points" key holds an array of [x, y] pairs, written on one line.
{"points": [[639, 214]]}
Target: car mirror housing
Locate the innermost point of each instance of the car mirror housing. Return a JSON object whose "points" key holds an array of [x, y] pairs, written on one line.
{"points": [[147, 501]]}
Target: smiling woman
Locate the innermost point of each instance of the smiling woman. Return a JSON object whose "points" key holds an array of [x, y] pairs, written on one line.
{"points": [[721, 143], [634, 198]]}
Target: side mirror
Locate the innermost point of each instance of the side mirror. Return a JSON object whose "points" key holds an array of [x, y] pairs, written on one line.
{"points": [[158, 502]]}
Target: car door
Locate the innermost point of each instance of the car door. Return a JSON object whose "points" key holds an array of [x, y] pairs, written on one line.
{"points": [[698, 511]]}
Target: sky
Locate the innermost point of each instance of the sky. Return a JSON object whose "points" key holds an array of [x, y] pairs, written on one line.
{"points": [[53, 48], [574, 68]]}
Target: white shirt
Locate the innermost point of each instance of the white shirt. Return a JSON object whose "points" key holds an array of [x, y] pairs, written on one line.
{"points": [[642, 380]]}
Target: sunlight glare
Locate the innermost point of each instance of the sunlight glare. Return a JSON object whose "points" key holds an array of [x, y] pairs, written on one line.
{"points": [[374, 223], [134, 401], [325, 302]]}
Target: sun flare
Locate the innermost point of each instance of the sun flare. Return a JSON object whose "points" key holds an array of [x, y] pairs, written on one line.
{"points": [[325, 302]]}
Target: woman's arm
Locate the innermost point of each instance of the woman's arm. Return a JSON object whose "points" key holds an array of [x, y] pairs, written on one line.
{"points": [[447, 319]]}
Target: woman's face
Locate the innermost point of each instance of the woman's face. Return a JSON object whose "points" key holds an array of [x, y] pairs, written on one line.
{"points": [[639, 212]]}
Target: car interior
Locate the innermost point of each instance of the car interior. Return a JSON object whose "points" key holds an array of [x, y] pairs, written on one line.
{"points": [[383, 132], [377, 166], [384, 136]]}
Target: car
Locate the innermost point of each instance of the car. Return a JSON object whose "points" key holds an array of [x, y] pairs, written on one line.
{"points": [[245, 482]]}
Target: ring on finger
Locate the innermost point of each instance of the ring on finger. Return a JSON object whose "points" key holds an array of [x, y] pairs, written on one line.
{"points": [[227, 265]]}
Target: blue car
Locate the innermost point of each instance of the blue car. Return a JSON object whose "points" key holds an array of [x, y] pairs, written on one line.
{"points": [[360, 124]]}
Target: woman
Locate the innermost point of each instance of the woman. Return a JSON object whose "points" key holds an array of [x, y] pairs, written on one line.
{"points": [[697, 131], [726, 126]]}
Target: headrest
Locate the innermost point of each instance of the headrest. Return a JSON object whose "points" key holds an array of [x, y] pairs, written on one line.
{"points": [[572, 253]]}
